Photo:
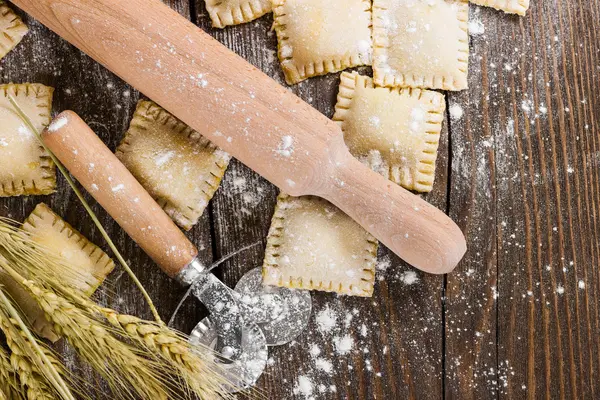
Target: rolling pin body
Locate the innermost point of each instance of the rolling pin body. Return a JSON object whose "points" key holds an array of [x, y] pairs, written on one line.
{"points": [[251, 116]]}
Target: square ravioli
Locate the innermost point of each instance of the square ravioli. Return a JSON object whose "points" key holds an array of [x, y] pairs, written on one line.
{"points": [[421, 43], [12, 29], [234, 12], [180, 168], [85, 264], [318, 37], [395, 131], [519, 7], [25, 167], [313, 245], [48, 229]]}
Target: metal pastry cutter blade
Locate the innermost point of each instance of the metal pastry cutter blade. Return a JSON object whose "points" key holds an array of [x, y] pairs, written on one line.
{"points": [[281, 313], [238, 343], [245, 371]]}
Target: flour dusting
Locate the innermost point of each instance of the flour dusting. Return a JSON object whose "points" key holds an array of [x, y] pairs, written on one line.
{"points": [[58, 123], [286, 147]]}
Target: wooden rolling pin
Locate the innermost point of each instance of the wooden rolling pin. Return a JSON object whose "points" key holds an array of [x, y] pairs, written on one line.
{"points": [[252, 117]]}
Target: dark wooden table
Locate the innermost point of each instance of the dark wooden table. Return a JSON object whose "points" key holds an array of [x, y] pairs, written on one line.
{"points": [[520, 173]]}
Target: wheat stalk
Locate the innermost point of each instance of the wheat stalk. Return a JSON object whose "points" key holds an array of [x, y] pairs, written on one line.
{"points": [[134, 356], [204, 380], [168, 347], [121, 364], [39, 372], [9, 380]]}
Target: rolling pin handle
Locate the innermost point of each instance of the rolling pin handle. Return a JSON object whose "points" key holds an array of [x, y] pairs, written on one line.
{"points": [[118, 192], [424, 236]]}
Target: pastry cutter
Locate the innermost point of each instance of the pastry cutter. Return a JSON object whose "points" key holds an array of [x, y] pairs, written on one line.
{"points": [[252, 117], [242, 322]]}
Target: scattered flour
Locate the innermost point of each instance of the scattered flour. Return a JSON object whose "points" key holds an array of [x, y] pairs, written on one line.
{"points": [[314, 350], [476, 28], [527, 106], [286, 147], [326, 320], [417, 117], [343, 345], [23, 131], [456, 112], [164, 158], [375, 121], [324, 365], [304, 386], [58, 123], [409, 277]]}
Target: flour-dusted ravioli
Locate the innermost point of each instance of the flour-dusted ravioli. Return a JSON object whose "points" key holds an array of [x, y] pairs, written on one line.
{"points": [[314, 245], [180, 168], [48, 229], [12, 29], [395, 131], [25, 167], [85, 264], [233, 12], [318, 37], [421, 43], [510, 6]]}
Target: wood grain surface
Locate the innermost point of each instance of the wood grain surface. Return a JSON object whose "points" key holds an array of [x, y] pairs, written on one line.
{"points": [[519, 172]]}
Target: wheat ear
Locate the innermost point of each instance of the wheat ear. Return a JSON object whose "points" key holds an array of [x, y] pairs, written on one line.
{"points": [[9, 380], [121, 364], [204, 378], [32, 372], [134, 356]]}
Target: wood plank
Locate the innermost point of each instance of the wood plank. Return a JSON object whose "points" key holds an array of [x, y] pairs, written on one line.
{"points": [[539, 180], [470, 306], [400, 356], [545, 206]]}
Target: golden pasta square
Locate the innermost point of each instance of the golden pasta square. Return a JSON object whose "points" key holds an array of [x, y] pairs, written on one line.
{"points": [[519, 7], [51, 231], [85, 265], [12, 29], [180, 168], [25, 167], [421, 43], [234, 12], [318, 37], [395, 131], [313, 245]]}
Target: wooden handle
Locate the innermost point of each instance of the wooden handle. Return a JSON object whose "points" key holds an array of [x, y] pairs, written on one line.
{"points": [[424, 236], [223, 97], [112, 185]]}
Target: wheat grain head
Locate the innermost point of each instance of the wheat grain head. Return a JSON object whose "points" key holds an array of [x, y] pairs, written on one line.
{"points": [[10, 387], [24, 361]]}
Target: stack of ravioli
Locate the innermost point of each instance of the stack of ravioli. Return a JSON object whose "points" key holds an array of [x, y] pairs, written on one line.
{"points": [[391, 122]]}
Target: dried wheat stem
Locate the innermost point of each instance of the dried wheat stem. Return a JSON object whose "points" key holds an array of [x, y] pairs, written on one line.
{"points": [[24, 361], [203, 377], [137, 358], [9, 380], [43, 358], [120, 363]]}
